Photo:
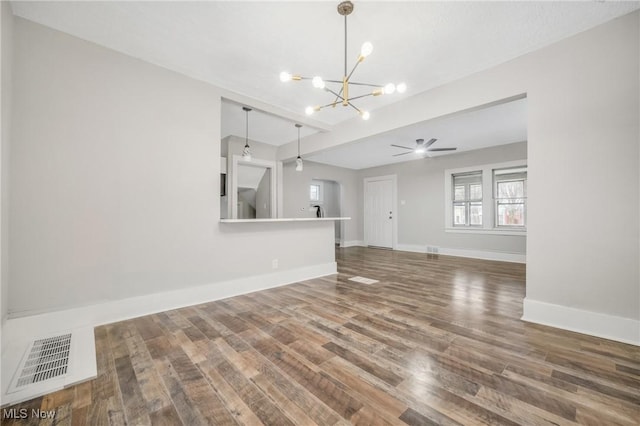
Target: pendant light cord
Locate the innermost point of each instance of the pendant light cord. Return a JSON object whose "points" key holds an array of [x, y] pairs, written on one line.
{"points": [[246, 142]]}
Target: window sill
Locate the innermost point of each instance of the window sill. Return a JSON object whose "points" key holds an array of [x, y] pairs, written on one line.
{"points": [[488, 231]]}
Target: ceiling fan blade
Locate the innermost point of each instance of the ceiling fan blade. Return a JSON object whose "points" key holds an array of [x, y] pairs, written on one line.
{"points": [[441, 149], [430, 142], [400, 146], [404, 153]]}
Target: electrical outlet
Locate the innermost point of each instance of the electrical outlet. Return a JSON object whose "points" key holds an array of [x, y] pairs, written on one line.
{"points": [[274, 263]]}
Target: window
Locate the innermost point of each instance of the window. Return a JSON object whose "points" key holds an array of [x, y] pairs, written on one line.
{"points": [[467, 199], [314, 192], [510, 187], [486, 199]]}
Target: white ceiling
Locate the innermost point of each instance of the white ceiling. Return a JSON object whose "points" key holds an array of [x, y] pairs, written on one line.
{"points": [[242, 47], [263, 127], [496, 125]]}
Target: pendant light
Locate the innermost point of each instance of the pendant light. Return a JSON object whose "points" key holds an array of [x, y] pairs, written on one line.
{"points": [[246, 152], [299, 164]]}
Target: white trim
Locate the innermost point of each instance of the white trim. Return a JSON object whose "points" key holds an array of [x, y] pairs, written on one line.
{"points": [[485, 255], [619, 329], [474, 254], [284, 219], [352, 243], [414, 248], [133, 307], [394, 203], [489, 231], [18, 332], [273, 183]]}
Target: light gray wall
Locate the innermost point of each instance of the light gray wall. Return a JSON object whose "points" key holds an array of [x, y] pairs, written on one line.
{"points": [[421, 186], [332, 203], [296, 193], [584, 135], [6, 95], [583, 127], [115, 179], [263, 196]]}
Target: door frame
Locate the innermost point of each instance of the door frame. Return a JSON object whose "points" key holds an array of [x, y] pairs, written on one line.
{"points": [[394, 204]]}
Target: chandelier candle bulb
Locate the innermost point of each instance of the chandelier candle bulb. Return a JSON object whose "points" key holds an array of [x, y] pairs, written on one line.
{"points": [[317, 82], [389, 88], [365, 51]]}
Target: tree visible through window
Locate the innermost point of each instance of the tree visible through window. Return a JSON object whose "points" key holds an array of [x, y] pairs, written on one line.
{"points": [[510, 195], [467, 199]]}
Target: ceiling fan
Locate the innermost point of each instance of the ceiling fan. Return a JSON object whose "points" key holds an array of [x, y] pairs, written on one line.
{"points": [[422, 147]]}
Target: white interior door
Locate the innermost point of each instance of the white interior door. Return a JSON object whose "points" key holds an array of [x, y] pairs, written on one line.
{"points": [[379, 212]]}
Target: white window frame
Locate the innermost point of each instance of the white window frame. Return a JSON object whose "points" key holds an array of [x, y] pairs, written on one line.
{"points": [[468, 202], [320, 192], [497, 202], [489, 206]]}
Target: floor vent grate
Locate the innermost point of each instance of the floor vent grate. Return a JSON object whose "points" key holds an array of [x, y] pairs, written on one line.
{"points": [[363, 280], [47, 359]]}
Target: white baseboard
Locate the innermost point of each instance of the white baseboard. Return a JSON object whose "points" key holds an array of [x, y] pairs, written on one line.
{"points": [[119, 310], [353, 243], [485, 254], [625, 330], [414, 248], [18, 332], [475, 254]]}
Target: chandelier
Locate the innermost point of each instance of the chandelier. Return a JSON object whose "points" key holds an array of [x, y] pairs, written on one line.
{"points": [[341, 91]]}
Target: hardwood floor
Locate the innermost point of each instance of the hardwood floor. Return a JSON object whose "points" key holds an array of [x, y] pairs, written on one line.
{"points": [[437, 340]]}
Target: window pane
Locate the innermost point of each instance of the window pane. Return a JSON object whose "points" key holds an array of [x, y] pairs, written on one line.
{"points": [[314, 192], [475, 191], [459, 214], [512, 189], [459, 193], [475, 214], [511, 214]]}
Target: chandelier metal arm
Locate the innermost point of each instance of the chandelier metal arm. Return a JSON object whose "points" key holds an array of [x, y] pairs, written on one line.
{"points": [[352, 71], [338, 95], [361, 96], [377, 86], [355, 107]]}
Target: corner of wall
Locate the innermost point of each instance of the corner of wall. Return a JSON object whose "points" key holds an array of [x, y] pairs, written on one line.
{"points": [[6, 48]]}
